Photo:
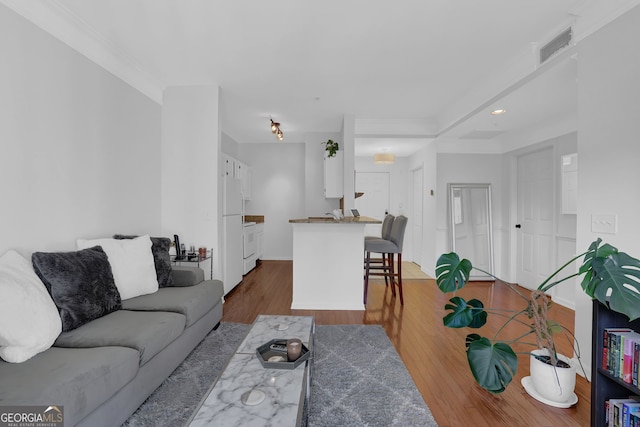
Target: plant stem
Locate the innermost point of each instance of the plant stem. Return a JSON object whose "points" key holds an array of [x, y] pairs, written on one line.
{"points": [[544, 288]]}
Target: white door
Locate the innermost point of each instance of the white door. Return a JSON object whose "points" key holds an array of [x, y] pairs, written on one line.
{"points": [[375, 201], [416, 215], [536, 249]]}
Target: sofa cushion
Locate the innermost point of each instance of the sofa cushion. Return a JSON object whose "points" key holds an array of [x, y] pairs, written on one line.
{"points": [[79, 379], [187, 276], [29, 320], [192, 301], [161, 258], [147, 332], [80, 283], [132, 264]]}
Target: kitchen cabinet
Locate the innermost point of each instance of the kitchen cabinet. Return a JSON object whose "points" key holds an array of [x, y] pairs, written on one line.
{"points": [[334, 176]]}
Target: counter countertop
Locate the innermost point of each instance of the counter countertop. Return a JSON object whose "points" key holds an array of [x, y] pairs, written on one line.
{"points": [[330, 220], [254, 218]]}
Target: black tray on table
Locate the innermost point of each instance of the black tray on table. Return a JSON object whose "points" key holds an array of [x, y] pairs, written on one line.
{"points": [[278, 347]]}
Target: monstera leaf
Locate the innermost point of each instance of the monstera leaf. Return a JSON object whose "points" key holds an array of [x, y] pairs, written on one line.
{"points": [[451, 273], [493, 365], [591, 280], [619, 275], [465, 313]]}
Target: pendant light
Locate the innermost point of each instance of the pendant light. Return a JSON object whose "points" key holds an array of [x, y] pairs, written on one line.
{"points": [[384, 158]]}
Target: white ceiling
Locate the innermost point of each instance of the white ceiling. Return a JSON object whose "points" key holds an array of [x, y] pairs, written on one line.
{"points": [[307, 64]]}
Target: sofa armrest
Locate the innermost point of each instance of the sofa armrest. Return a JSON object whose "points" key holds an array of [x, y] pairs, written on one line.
{"points": [[187, 276]]}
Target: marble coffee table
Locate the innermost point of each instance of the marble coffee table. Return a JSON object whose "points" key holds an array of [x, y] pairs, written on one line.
{"points": [[276, 396]]}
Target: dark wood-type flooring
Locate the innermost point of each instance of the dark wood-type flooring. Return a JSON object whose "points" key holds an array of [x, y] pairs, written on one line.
{"points": [[433, 354]]}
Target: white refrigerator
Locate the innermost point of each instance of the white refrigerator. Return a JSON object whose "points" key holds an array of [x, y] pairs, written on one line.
{"points": [[232, 234]]}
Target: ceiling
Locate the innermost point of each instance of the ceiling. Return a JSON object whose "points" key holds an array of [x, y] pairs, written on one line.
{"points": [[427, 68]]}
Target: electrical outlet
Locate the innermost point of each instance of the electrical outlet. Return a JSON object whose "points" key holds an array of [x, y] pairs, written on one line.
{"points": [[604, 223]]}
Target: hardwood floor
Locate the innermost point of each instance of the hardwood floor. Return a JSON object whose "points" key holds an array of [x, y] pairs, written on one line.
{"points": [[433, 354]]}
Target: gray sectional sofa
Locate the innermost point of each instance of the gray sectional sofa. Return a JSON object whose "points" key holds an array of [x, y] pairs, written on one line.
{"points": [[103, 370]]}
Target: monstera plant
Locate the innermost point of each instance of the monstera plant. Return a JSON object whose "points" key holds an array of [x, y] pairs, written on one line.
{"points": [[611, 277]]}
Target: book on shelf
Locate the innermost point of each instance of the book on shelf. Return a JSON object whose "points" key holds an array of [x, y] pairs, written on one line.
{"points": [[636, 362], [615, 411], [610, 349], [628, 341], [629, 408], [634, 419], [620, 356]]}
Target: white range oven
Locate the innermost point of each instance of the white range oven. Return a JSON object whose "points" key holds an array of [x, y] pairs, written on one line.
{"points": [[249, 246]]}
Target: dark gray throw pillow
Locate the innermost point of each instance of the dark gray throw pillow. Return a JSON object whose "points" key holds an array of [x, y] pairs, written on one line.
{"points": [[80, 283], [161, 258]]}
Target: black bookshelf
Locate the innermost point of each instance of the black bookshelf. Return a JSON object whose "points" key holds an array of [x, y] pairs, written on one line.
{"points": [[603, 385]]}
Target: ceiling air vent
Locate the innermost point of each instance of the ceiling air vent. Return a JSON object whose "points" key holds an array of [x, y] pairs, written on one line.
{"points": [[560, 41]]}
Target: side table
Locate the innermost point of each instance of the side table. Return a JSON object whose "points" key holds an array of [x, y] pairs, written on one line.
{"points": [[196, 261]]}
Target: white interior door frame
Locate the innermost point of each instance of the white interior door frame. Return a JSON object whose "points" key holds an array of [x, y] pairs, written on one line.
{"points": [[416, 206]]}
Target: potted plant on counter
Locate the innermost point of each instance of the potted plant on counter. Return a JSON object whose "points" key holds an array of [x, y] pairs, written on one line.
{"points": [[611, 277]]}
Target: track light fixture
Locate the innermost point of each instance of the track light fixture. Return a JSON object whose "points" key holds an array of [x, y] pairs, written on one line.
{"points": [[275, 128]]}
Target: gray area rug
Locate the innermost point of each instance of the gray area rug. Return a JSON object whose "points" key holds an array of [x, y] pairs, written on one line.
{"points": [[359, 380]]}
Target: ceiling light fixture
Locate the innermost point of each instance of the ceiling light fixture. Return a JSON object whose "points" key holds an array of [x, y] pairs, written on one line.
{"points": [[275, 129], [384, 158], [498, 111]]}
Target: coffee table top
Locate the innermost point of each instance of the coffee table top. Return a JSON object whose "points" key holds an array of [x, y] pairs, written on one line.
{"points": [[284, 390]]}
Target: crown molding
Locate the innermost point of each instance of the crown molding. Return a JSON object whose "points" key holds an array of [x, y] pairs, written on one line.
{"points": [[59, 22]]}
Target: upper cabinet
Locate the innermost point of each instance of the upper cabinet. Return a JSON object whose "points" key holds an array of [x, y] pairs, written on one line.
{"points": [[334, 176]]}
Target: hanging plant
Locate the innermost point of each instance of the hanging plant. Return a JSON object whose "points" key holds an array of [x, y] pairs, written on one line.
{"points": [[331, 147]]}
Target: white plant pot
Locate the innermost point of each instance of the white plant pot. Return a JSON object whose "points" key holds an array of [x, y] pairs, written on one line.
{"points": [[552, 383]]}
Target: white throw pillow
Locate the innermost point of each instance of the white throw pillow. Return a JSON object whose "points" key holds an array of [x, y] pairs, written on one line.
{"points": [[131, 262], [29, 320]]}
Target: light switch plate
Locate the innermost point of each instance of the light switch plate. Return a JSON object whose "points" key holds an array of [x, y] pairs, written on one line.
{"points": [[604, 223]]}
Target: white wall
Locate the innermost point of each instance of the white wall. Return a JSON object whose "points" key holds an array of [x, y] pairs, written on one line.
{"points": [[80, 149], [278, 192], [314, 201], [426, 159], [608, 146], [191, 172]]}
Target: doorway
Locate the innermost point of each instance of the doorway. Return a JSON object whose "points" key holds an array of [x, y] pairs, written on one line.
{"points": [[535, 218], [374, 202]]}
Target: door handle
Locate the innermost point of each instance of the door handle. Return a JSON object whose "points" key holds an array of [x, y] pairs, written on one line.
{"points": [[518, 226]]}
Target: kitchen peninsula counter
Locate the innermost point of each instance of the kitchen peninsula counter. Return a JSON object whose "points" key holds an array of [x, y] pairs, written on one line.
{"points": [[328, 257], [329, 220]]}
